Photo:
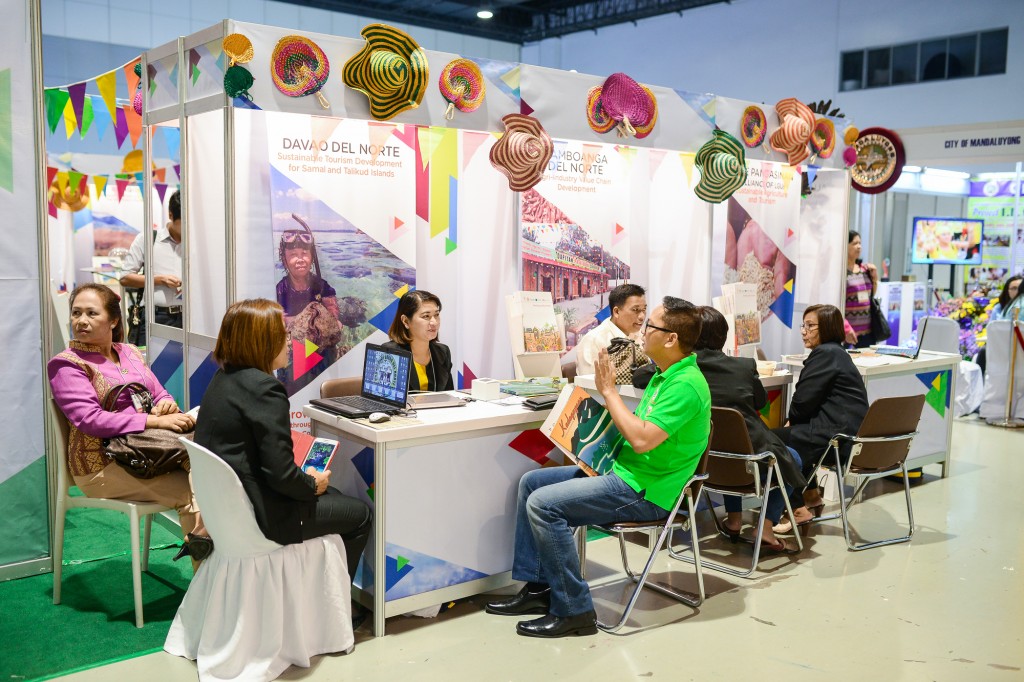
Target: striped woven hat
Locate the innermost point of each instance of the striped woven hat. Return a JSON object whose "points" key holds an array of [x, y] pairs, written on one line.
{"points": [[523, 152], [723, 168], [796, 125], [391, 70]]}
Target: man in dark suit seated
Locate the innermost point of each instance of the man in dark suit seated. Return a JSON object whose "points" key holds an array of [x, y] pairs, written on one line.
{"points": [[660, 448]]}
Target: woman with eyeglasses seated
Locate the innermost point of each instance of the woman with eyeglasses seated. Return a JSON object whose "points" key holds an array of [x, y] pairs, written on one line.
{"points": [[245, 421], [734, 383], [829, 398], [415, 329], [80, 377]]}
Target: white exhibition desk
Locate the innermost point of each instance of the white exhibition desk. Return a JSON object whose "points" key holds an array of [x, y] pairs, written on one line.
{"points": [[776, 386], [932, 374], [443, 493]]}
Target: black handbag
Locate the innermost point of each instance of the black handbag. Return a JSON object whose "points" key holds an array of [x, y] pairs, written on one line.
{"points": [[148, 454], [879, 325]]}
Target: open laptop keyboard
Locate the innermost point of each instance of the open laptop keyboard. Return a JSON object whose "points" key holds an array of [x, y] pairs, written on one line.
{"points": [[358, 402], [896, 351]]}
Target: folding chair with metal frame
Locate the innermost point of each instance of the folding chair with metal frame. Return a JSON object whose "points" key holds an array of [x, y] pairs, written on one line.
{"points": [[879, 449], [733, 469], [666, 525]]}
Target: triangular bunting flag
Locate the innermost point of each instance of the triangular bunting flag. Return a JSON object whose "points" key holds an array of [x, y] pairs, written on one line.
{"points": [[134, 123], [70, 123], [56, 100], [131, 78], [687, 159], [787, 177], [812, 174], [100, 121], [470, 143], [177, 170], [74, 179], [161, 190], [160, 175], [140, 178], [107, 85], [122, 185], [100, 183], [87, 117], [51, 173], [121, 127], [77, 94], [62, 182]]}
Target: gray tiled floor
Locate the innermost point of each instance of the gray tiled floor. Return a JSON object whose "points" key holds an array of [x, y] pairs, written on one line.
{"points": [[947, 606]]}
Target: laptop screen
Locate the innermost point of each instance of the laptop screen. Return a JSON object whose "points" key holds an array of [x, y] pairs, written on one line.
{"points": [[386, 374]]}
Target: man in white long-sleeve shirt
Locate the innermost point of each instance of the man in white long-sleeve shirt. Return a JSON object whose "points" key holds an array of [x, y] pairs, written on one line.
{"points": [[629, 310]]}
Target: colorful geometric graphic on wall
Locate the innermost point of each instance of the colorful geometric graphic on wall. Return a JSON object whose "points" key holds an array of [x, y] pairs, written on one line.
{"points": [[783, 305], [408, 572], [304, 357], [200, 379], [363, 463], [169, 368], [603, 314], [466, 377], [534, 445], [383, 319], [702, 103], [938, 390], [771, 413]]}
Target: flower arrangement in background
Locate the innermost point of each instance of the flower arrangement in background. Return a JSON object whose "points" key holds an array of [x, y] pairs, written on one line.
{"points": [[972, 314]]}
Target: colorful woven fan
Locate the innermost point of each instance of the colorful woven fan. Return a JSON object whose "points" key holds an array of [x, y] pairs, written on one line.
{"points": [[597, 117], [238, 48], [753, 126], [823, 139], [462, 86], [632, 107], [238, 80], [299, 68]]}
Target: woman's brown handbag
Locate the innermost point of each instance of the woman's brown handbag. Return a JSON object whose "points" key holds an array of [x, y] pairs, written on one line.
{"points": [[626, 355], [144, 455]]}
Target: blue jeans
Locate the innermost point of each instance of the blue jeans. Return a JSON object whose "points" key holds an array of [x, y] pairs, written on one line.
{"points": [[775, 504], [551, 502]]}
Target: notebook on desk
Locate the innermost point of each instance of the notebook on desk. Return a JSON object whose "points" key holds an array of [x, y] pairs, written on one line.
{"points": [[385, 386]]}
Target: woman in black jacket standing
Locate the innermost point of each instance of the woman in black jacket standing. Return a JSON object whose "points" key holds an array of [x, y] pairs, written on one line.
{"points": [[829, 398], [415, 328], [244, 419]]}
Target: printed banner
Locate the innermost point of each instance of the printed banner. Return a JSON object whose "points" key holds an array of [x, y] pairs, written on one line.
{"points": [[575, 231], [994, 201], [342, 194], [755, 241]]}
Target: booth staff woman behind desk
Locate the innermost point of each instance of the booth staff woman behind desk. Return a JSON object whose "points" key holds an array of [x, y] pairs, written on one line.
{"points": [[829, 398], [415, 328], [861, 282], [80, 376], [245, 420]]}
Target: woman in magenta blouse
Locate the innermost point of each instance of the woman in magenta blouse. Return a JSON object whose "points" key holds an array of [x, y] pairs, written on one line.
{"points": [[861, 282], [96, 361]]}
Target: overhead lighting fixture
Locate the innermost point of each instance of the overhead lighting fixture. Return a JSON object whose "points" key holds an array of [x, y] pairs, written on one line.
{"points": [[943, 173], [485, 14], [911, 169]]}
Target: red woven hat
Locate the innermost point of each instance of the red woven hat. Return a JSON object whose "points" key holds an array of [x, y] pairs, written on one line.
{"points": [[622, 101], [523, 151], [796, 125]]}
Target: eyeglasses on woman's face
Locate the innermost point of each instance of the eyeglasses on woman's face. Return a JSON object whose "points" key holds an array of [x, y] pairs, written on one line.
{"points": [[809, 326]]}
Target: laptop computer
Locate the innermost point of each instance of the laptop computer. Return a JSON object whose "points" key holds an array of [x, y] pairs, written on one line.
{"points": [[905, 351], [385, 386]]}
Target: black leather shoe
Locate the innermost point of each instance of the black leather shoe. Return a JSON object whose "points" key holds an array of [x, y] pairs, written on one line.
{"points": [[196, 546], [523, 604], [553, 626]]}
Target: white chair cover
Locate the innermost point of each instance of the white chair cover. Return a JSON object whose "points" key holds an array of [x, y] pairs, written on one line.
{"points": [[970, 389], [255, 607], [997, 372], [941, 334]]}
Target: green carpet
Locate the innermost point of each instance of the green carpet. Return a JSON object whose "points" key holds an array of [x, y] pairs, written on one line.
{"points": [[95, 622]]}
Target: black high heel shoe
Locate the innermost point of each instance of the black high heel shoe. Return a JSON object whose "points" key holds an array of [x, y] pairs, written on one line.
{"points": [[733, 535], [196, 546]]}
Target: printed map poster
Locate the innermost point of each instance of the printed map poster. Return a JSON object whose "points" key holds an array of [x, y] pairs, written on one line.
{"points": [[343, 195], [575, 227], [755, 241], [994, 202]]}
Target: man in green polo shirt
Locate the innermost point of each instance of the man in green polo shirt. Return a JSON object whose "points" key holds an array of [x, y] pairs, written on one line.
{"points": [[662, 444]]}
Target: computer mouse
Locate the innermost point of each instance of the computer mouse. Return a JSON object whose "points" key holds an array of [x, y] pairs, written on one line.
{"points": [[378, 417]]}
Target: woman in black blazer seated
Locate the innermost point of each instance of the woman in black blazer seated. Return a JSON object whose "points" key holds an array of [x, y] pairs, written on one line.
{"points": [[734, 383], [245, 420], [829, 398], [415, 328]]}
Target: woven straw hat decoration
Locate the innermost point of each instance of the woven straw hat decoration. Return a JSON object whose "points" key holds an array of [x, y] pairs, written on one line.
{"points": [[624, 104], [391, 70], [299, 67], [523, 152], [723, 168], [823, 138], [462, 86], [238, 80], [796, 126]]}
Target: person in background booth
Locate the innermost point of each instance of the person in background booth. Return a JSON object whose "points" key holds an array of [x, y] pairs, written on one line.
{"points": [[829, 398], [628, 304], [415, 328], [245, 421], [80, 378], [861, 282], [660, 447], [1011, 290], [167, 252], [734, 383]]}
